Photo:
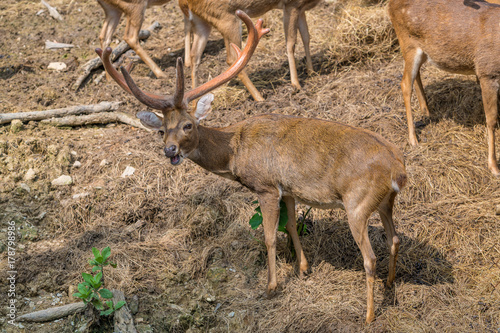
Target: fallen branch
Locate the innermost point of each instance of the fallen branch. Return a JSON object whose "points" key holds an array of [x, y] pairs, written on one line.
{"points": [[90, 65], [53, 313], [95, 118], [39, 115], [122, 317]]}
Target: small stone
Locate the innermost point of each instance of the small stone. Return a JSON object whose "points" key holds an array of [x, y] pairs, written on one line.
{"points": [[30, 175], [104, 162], [16, 125], [25, 187], [231, 314], [63, 180], [77, 164], [57, 66], [129, 171], [133, 304]]}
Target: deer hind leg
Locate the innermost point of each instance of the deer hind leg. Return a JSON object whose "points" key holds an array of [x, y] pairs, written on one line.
{"points": [[291, 227], [385, 212], [134, 23], [291, 22], [112, 18], [201, 32], [232, 34], [304, 33], [359, 207], [413, 60], [270, 207], [489, 90]]}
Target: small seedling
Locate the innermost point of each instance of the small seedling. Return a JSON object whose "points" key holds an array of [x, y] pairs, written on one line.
{"points": [[256, 220], [92, 290]]}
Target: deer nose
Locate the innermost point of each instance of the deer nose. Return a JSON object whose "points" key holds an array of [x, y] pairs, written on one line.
{"points": [[170, 151]]}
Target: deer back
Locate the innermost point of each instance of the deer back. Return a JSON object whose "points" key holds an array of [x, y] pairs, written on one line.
{"points": [[458, 36]]}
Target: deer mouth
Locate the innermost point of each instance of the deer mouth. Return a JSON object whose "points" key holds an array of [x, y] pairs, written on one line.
{"points": [[177, 159]]}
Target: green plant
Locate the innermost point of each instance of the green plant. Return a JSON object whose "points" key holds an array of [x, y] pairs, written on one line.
{"points": [[92, 290], [256, 220]]}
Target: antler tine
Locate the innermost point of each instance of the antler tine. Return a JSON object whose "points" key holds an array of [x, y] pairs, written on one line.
{"points": [[179, 84], [144, 98], [254, 35], [104, 55]]}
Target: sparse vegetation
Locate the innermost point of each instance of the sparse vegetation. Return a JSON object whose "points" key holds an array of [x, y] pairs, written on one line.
{"points": [[181, 235]]}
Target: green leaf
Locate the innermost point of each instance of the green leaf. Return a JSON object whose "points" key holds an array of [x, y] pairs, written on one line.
{"points": [[92, 262], [98, 277], [107, 312], [87, 277], [96, 252], [99, 260], [110, 304], [79, 295], [96, 268], [283, 217], [105, 293], [106, 252], [98, 304], [255, 221], [120, 304], [255, 202], [258, 210], [112, 264]]}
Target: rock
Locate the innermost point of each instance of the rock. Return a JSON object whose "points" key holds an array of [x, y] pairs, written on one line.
{"points": [[133, 304], [63, 180], [52, 149], [129, 171], [81, 195], [25, 187], [57, 66], [231, 314], [16, 125], [30, 175], [216, 275], [77, 164], [104, 162]]}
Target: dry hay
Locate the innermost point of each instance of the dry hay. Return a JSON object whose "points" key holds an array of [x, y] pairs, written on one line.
{"points": [[181, 237]]}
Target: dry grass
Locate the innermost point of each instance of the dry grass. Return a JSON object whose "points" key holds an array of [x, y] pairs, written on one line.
{"points": [[196, 240]]}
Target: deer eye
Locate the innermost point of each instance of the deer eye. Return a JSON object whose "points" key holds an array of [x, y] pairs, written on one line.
{"points": [[187, 127], [161, 133]]}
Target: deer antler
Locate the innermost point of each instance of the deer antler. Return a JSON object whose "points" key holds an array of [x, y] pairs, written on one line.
{"points": [[179, 99], [105, 55], [254, 35]]}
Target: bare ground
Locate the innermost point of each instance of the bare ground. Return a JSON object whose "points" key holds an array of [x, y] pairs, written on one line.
{"points": [[180, 235]]}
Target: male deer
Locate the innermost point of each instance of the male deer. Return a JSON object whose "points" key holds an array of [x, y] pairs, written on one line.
{"points": [[457, 36], [134, 11], [320, 163], [201, 15]]}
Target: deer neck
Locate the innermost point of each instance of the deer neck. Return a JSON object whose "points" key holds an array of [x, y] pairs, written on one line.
{"points": [[214, 151]]}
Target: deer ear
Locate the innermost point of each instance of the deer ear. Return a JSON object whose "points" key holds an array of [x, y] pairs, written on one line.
{"points": [[150, 120], [203, 107]]}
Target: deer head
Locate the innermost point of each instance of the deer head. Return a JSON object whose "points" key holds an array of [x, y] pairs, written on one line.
{"points": [[179, 126]]}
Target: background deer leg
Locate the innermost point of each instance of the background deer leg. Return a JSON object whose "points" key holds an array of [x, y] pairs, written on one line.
{"points": [[201, 32], [188, 34], [134, 23], [291, 227], [290, 22], [270, 207], [489, 90], [111, 21], [419, 88], [304, 33], [412, 62]]}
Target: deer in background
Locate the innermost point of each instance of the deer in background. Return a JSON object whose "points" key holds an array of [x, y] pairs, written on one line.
{"points": [[317, 162], [201, 15], [457, 36], [134, 11]]}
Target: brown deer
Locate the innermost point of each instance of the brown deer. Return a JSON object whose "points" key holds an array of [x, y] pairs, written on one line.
{"points": [[458, 36], [134, 11], [320, 163], [201, 15]]}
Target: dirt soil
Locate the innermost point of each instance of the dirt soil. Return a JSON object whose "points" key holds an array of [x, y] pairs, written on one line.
{"points": [[187, 257]]}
